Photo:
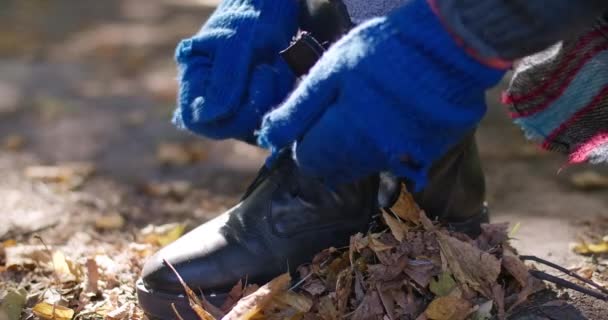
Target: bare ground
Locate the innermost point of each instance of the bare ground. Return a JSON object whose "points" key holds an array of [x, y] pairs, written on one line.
{"points": [[95, 83]]}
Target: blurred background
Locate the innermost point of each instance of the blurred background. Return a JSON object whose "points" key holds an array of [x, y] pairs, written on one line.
{"points": [[87, 89]]}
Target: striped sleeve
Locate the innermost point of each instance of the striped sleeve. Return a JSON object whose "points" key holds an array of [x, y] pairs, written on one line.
{"points": [[560, 96]]}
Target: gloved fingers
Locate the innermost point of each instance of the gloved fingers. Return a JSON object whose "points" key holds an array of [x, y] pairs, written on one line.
{"points": [[336, 150], [286, 124], [268, 86]]}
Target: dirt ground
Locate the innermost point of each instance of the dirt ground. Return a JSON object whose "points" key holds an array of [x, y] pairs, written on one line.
{"points": [[94, 82]]}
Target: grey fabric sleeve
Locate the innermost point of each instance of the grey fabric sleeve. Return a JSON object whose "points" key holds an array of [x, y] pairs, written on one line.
{"points": [[511, 29]]}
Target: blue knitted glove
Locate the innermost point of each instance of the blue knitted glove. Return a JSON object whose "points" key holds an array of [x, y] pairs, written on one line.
{"points": [[230, 72], [394, 94]]}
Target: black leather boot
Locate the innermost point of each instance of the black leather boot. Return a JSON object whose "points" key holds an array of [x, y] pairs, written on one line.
{"points": [[282, 222], [456, 190], [285, 218]]}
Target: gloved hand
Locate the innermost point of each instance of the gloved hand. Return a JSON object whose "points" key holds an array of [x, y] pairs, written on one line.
{"points": [[230, 72], [394, 94]]}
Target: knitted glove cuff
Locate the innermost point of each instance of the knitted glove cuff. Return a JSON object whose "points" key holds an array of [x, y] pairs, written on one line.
{"points": [[514, 29], [418, 50]]}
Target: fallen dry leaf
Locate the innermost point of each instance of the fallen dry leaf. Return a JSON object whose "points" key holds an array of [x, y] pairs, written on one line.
{"points": [[180, 154], [65, 270], [49, 311], [398, 228], [120, 313], [589, 180], [175, 189], [162, 235], [235, 294], [484, 311], [92, 276], [513, 265], [253, 304], [69, 175], [14, 142], [590, 248], [327, 309], [27, 256], [469, 265], [109, 222], [195, 303], [406, 207], [344, 287], [448, 308], [299, 302], [370, 308]]}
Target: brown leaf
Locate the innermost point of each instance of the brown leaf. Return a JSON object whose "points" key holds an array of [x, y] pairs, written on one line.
{"points": [[195, 303], [448, 308], [344, 287], [492, 235], [498, 295], [235, 294], [315, 287], [70, 175], [398, 228], [92, 276], [370, 308], [469, 265], [515, 267], [299, 302], [14, 142], [388, 301], [327, 309], [378, 244], [180, 154], [406, 207], [420, 271], [253, 304], [532, 286]]}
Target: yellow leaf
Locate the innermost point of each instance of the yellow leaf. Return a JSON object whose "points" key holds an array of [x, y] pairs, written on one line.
{"points": [[398, 228], [253, 304], [514, 230], [406, 207], [589, 248], [9, 243], [112, 221], [62, 267], [162, 235], [48, 311], [448, 308]]}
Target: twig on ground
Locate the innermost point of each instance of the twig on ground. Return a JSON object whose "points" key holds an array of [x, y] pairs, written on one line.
{"points": [[567, 284], [566, 271]]}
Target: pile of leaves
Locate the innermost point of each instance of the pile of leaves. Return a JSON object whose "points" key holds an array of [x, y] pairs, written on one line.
{"points": [[411, 270]]}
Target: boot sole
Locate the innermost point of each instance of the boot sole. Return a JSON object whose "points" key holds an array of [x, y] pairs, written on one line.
{"points": [[157, 305]]}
